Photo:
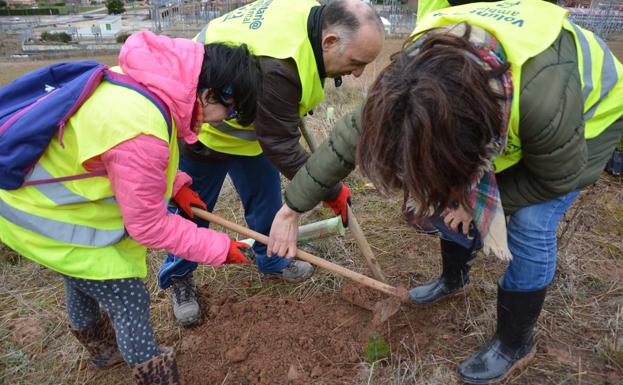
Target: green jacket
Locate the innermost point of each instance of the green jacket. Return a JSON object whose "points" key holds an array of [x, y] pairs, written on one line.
{"points": [[557, 159]]}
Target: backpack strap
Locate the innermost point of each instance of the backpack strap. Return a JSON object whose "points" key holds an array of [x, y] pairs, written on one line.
{"points": [[120, 80], [126, 81]]}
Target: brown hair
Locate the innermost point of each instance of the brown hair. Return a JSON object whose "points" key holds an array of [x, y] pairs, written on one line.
{"points": [[427, 120]]}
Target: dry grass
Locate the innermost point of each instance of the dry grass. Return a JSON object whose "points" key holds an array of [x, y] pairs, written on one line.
{"points": [[13, 69], [581, 328]]}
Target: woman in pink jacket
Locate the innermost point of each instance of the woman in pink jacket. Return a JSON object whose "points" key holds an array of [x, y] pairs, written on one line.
{"points": [[125, 136]]}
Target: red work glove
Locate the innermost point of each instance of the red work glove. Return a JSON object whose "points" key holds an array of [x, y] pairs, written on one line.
{"points": [[340, 204], [239, 252], [185, 198]]}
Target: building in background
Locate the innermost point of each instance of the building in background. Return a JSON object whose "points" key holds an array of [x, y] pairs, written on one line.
{"points": [[21, 3], [92, 29]]}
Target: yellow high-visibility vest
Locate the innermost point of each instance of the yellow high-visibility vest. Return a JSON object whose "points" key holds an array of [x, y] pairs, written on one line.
{"points": [[75, 227], [424, 7], [272, 28], [525, 28]]}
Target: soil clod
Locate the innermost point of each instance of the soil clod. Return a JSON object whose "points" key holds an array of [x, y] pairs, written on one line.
{"points": [[237, 354]]}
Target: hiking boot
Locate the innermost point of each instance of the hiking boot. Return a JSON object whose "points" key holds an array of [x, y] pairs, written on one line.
{"points": [[296, 272], [513, 345], [101, 343], [184, 296], [161, 370], [456, 262]]}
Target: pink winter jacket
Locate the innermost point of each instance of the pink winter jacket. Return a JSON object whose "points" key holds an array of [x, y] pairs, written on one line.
{"points": [[137, 167]]}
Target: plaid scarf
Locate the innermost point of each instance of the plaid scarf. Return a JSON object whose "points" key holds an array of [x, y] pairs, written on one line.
{"points": [[484, 196]]}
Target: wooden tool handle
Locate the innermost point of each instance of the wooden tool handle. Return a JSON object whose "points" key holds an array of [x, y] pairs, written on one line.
{"points": [[354, 227], [305, 256], [364, 246]]}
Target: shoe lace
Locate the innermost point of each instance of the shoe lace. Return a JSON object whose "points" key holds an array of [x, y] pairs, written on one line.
{"points": [[183, 290]]}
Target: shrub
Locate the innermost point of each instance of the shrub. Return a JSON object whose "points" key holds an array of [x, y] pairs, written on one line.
{"points": [[115, 7], [2, 4], [62, 37], [122, 37], [28, 11]]}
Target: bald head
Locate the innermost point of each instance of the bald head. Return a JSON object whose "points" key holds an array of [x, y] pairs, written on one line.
{"points": [[347, 16], [352, 37]]}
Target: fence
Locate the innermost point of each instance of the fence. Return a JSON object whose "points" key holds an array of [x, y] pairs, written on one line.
{"points": [[397, 19], [603, 18], [180, 14]]}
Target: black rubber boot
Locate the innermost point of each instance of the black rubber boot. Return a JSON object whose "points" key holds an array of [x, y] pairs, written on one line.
{"points": [[456, 261], [615, 163], [513, 345]]}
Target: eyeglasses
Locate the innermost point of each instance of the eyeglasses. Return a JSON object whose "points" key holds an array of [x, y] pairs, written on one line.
{"points": [[227, 92], [230, 108]]}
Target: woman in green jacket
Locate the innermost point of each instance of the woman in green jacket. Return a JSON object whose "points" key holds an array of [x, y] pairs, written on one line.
{"points": [[477, 122]]}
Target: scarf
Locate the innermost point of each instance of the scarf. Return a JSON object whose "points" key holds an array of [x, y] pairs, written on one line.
{"points": [[314, 33], [484, 196]]}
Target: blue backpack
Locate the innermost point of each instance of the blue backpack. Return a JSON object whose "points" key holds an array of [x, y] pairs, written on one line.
{"points": [[37, 105]]}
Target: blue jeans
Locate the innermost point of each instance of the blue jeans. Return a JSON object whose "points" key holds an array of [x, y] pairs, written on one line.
{"points": [[257, 182], [531, 240]]}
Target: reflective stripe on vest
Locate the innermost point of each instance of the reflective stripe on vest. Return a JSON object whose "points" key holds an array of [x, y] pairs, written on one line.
{"points": [[61, 231], [587, 74], [608, 74], [233, 131], [71, 233], [57, 192], [271, 28]]}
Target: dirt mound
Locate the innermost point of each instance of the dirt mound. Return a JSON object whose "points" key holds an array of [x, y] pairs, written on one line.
{"points": [[264, 340]]}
